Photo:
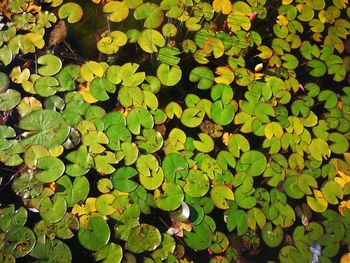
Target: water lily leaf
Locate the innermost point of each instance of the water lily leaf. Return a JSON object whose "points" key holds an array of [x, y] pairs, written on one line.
{"points": [[273, 129], [169, 76], [46, 127], [197, 184], [33, 153], [290, 61], [166, 248], [252, 162], [236, 218], [223, 92], [306, 13], [116, 135], [52, 251], [4, 82], [220, 194], [292, 189], [99, 88], [53, 212], [331, 191], [68, 75], [329, 97], [73, 193], [272, 237], [222, 114], [237, 20], [95, 235], [256, 216], [91, 69], [150, 141], [174, 166], [340, 143], [121, 179], [171, 198], [226, 75], [138, 117], [110, 253], [129, 153], [192, 117], [151, 84], [206, 143], [51, 65], [318, 68], [173, 109], [203, 75], [109, 44], [103, 163], [52, 168], [11, 218], [317, 203], [113, 118], [9, 99], [193, 24], [263, 110], [6, 55], [143, 238], [72, 11], [46, 86], [237, 143], [222, 6], [30, 42], [319, 148], [200, 237], [152, 14], [14, 241], [95, 139], [305, 181], [117, 10], [5, 133], [150, 39], [168, 55]]}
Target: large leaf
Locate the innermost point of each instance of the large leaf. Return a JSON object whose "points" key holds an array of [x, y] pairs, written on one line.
{"points": [[46, 127]]}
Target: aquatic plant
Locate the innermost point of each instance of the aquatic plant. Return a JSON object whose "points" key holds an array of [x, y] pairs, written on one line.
{"points": [[173, 131]]}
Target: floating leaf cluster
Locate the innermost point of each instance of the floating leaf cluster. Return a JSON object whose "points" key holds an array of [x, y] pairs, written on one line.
{"points": [[230, 136]]}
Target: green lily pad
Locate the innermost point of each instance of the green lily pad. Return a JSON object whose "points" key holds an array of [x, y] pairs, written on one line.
{"points": [[200, 237], [171, 198], [138, 117], [10, 218], [53, 212], [73, 192], [220, 194], [252, 162], [174, 166], [143, 238], [9, 99], [51, 65], [110, 253], [95, 235], [121, 179], [152, 14], [46, 127], [99, 88], [6, 132], [150, 39], [197, 184], [222, 114], [117, 10], [51, 168], [72, 11], [20, 241], [272, 237], [4, 82], [52, 251], [169, 75], [68, 75], [203, 75]]}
